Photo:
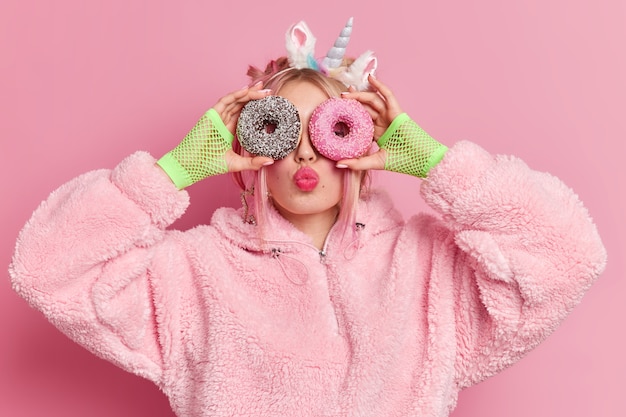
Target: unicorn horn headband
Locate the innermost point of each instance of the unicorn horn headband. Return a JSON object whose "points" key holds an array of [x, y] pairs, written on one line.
{"points": [[334, 56], [300, 45]]}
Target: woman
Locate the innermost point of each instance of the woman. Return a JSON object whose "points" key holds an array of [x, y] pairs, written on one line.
{"points": [[316, 298]]}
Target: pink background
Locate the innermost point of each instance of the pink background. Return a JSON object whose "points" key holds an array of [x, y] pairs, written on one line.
{"points": [[85, 83]]}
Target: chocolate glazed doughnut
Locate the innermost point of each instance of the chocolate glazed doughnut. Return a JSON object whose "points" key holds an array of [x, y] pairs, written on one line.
{"points": [[269, 127], [341, 129]]}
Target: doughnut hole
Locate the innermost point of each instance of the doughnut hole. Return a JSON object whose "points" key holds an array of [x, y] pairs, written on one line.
{"points": [[341, 129], [270, 126]]}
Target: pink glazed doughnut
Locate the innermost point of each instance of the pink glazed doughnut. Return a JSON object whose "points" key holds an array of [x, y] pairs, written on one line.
{"points": [[341, 128]]}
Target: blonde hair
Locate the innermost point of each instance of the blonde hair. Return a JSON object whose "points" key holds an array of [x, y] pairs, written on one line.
{"points": [[277, 75]]}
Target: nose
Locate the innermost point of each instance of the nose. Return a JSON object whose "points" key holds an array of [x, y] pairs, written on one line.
{"points": [[305, 152]]}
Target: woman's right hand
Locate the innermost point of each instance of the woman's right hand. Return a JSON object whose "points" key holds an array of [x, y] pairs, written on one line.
{"points": [[228, 108]]}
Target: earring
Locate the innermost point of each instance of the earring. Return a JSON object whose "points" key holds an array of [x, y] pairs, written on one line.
{"points": [[247, 218]]}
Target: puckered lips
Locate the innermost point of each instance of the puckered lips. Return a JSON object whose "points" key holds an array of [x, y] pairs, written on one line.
{"points": [[306, 179]]}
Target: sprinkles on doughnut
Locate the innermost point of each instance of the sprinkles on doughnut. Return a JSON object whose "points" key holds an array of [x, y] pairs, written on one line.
{"points": [[341, 129], [269, 127]]}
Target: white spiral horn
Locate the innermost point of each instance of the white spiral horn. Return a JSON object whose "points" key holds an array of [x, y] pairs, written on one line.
{"points": [[335, 55]]}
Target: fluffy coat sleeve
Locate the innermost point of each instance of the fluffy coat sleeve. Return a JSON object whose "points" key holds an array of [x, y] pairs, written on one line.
{"points": [[528, 253], [84, 260]]}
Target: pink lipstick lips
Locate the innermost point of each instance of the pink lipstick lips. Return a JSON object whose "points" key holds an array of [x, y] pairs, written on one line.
{"points": [[306, 179]]}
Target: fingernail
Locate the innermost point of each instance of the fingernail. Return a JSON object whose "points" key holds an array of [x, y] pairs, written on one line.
{"points": [[268, 163], [341, 166], [372, 75], [344, 93], [265, 91]]}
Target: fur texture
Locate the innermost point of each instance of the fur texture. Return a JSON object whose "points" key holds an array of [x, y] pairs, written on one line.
{"points": [[394, 325]]}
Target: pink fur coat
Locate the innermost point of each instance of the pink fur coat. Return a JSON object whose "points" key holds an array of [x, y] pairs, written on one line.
{"points": [[394, 324]]}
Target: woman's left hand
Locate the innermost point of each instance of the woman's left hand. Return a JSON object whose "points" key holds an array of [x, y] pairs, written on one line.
{"points": [[383, 107]]}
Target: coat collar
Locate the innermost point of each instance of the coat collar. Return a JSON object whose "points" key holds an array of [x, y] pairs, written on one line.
{"points": [[375, 212]]}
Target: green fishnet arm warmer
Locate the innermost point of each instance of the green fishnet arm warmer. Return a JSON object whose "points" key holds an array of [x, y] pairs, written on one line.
{"points": [[201, 152], [410, 150]]}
